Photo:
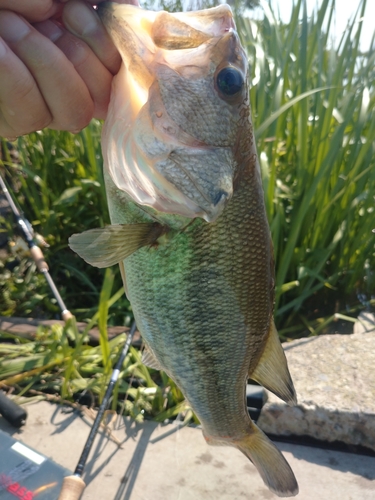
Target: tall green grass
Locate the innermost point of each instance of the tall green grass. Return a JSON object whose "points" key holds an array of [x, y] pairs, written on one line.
{"points": [[57, 180], [316, 152], [313, 112]]}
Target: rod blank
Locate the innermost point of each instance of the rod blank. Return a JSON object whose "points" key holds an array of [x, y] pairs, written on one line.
{"points": [[73, 486], [35, 251]]}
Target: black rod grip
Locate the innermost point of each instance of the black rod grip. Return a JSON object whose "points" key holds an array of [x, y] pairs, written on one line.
{"points": [[11, 411]]}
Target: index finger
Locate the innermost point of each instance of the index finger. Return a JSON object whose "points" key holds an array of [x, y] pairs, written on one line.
{"points": [[33, 10], [19, 92], [82, 20]]}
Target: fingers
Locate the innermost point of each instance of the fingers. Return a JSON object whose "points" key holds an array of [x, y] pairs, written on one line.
{"points": [[93, 73], [33, 10], [48, 75], [82, 20], [19, 92], [64, 93]]}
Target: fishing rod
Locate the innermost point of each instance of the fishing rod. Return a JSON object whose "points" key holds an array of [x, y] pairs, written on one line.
{"points": [[35, 251], [12, 412], [74, 485]]}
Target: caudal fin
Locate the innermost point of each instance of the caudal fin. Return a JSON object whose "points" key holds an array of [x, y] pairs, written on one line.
{"points": [[272, 466]]}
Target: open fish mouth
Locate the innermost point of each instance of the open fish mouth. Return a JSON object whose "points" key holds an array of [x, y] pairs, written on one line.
{"points": [[170, 137]]}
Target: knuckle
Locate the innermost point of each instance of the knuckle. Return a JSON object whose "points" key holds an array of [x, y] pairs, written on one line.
{"points": [[10, 129], [44, 9], [23, 89], [77, 119], [36, 10], [74, 49], [83, 120], [40, 122], [22, 108]]}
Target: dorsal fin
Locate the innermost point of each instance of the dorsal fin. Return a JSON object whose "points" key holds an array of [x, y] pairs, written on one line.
{"points": [[106, 246], [272, 370]]}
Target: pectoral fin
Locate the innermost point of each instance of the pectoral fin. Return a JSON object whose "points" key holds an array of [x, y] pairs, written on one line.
{"points": [[104, 247], [149, 360], [272, 370]]}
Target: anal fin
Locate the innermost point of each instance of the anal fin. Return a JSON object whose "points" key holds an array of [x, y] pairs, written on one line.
{"points": [[272, 370]]}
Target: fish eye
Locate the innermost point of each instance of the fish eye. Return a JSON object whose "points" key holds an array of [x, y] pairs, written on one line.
{"points": [[229, 81]]}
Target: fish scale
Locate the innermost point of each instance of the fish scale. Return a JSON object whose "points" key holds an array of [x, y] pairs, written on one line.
{"points": [[188, 221], [207, 294]]}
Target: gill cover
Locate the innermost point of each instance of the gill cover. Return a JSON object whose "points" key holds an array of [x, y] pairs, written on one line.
{"points": [[170, 137]]}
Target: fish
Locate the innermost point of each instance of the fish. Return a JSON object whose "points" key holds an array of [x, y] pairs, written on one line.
{"points": [[188, 223]]}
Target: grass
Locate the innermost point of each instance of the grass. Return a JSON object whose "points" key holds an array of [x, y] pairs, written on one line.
{"points": [[313, 108], [57, 179], [313, 111], [60, 364]]}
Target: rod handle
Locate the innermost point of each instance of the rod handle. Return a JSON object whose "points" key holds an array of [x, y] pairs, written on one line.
{"points": [[72, 488], [38, 258], [12, 412], [66, 315]]}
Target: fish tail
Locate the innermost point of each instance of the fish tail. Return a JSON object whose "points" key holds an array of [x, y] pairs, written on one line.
{"points": [[272, 466]]}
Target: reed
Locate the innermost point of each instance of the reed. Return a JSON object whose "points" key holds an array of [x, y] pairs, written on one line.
{"points": [[313, 109]]}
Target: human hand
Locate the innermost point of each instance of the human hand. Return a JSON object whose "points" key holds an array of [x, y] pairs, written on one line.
{"points": [[49, 76]]}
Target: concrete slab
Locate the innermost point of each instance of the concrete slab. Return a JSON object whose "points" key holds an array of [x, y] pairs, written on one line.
{"points": [[335, 384], [165, 462]]}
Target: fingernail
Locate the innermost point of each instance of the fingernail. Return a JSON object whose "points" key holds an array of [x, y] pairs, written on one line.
{"points": [[12, 27], [49, 29], [80, 19]]}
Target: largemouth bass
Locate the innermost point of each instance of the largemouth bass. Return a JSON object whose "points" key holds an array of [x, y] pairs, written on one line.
{"points": [[189, 227]]}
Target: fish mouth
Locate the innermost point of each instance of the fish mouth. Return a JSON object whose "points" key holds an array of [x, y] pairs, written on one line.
{"points": [[159, 143]]}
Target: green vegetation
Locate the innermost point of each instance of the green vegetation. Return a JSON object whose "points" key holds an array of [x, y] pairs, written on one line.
{"points": [[313, 107], [314, 120]]}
